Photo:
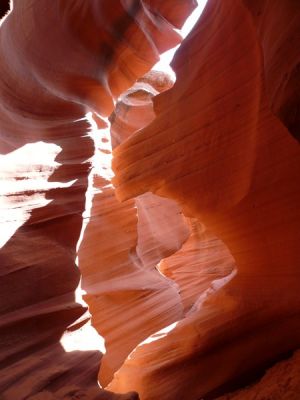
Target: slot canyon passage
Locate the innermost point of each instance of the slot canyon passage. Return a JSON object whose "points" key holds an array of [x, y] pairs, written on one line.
{"points": [[148, 223]]}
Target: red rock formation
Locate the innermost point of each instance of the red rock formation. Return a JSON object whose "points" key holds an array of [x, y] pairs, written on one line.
{"points": [[193, 279], [202, 259], [118, 272], [282, 382], [59, 60], [277, 26], [123, 243], [219, 151]]}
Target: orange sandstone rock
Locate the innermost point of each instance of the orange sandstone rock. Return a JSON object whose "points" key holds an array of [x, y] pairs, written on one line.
{"points": [[282, 382], [218, 149], [122, 245], [58, 61], [192, 280]]}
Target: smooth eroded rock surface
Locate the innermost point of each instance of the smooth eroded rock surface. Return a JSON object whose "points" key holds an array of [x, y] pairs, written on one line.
{"points": [[59, 61], [218, 147], [189, 256]]}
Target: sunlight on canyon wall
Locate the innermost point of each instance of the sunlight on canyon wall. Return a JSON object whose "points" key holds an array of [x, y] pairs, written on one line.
{"points": [[149, 195]]}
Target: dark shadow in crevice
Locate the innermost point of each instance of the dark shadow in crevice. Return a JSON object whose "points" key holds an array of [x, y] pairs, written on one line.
{"points": [[252, 377], [4, 8]]}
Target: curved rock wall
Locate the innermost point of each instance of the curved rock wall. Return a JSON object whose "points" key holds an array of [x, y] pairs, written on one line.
{"points": [[134, 262], [59, 60], [122, 244], [218, 148], [193, 279]]}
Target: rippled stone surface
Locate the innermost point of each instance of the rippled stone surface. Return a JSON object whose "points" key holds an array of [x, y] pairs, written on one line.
{"points": [[188, 256]]}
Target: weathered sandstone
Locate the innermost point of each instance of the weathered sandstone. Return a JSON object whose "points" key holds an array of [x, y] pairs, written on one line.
{"points": [[218, 148], [59, 60], [174, 205]]}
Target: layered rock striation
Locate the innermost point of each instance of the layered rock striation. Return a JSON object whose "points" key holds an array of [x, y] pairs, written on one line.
{"points": [[59, 61], [221, 148], [188, 256], [142, 271]]}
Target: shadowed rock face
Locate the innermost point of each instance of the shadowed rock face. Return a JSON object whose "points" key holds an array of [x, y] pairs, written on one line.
{"points": [[192, 279], [281, 57], [282, 382]]}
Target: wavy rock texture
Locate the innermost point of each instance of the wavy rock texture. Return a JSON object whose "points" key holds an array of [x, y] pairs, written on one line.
{"points": [[58, 61], [120, 272], [122, 244], [218, 148], [193, 279]]}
